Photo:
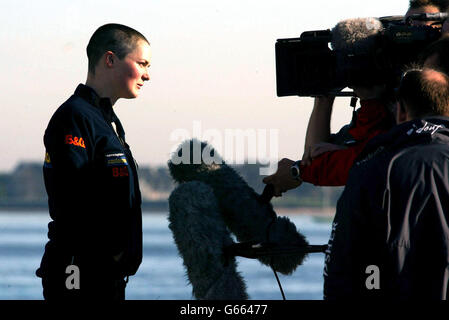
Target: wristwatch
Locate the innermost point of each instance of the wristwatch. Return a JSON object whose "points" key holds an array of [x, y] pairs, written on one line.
{"points": [[296, 170]]}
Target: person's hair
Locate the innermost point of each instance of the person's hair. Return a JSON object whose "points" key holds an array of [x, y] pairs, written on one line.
{"points": [[439, 49], [442, 5], [424, 95], [114, 37]]}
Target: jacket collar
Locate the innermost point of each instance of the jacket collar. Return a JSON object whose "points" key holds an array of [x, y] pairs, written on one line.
{"points": [[104, 104], [372, 115], [408, 133]]}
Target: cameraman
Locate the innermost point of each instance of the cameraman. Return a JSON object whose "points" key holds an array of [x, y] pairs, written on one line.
{"points": [[328, 157], [333, 155]]}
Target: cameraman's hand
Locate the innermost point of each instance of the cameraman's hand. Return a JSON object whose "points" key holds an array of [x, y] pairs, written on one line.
{"points": [[366, 93], [282, 180]]}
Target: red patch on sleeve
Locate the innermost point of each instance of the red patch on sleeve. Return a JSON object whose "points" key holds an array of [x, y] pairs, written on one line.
{"points": [[79, 142], [120, 172]]}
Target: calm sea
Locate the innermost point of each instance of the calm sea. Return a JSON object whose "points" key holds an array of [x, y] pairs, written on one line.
{"points": [[161, 274]]}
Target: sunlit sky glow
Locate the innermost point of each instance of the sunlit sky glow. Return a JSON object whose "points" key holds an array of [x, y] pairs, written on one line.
{"points": [[212, 61]]}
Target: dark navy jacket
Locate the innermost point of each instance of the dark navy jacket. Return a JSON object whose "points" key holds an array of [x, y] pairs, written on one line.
{"points": [[93, 190], [394, 215]]}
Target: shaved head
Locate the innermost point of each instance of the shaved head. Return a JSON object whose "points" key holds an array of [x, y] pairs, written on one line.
{"points": [[118, 38]]}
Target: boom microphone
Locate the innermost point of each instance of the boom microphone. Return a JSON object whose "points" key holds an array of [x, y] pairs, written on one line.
{"points": [[200, 235], [242, 210]]}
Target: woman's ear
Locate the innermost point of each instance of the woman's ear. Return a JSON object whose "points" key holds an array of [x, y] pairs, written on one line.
{"points": [[109, 58]]}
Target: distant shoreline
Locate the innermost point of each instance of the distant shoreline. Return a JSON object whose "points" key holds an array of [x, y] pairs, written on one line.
{"points": [[162, 206], [43, 206], [319, 212]]}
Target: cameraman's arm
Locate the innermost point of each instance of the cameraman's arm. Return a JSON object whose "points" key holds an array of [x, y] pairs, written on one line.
{"points": [[331, 168], [318, 129]]}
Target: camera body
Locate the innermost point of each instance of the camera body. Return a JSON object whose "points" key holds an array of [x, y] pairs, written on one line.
{"points": [[308, 66]]}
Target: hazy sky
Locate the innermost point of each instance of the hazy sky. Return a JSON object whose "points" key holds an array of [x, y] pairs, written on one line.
{"points": [[213, 62]]}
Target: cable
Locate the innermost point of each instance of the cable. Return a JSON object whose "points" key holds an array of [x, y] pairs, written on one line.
{"points": [[279, 283], [271, 259]]}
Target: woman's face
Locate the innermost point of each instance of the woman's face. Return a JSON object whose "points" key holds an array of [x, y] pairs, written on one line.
{"points": [[132, 71]]}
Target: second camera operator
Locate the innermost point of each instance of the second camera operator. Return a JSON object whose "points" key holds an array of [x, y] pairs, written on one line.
{"points": [[328, 157]]}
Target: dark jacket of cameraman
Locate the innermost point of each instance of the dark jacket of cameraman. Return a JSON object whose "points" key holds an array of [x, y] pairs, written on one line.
{"points": [[390, 235], [93, 192], [332, 168]]}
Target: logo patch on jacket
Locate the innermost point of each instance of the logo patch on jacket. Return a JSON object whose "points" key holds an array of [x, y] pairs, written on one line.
{"points": [[116, 159], [429, 127], [118, 164], [47, 162], [120, 172], [79, 142]]}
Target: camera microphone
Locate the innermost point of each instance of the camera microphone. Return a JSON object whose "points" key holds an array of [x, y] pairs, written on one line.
{"points": [[356, 36]]}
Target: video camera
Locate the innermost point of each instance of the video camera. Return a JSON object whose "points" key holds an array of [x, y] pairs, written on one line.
{"points": [[357, 52]]}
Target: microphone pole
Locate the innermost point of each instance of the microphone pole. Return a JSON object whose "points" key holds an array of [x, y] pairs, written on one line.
{"points": [[267, 194]]}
